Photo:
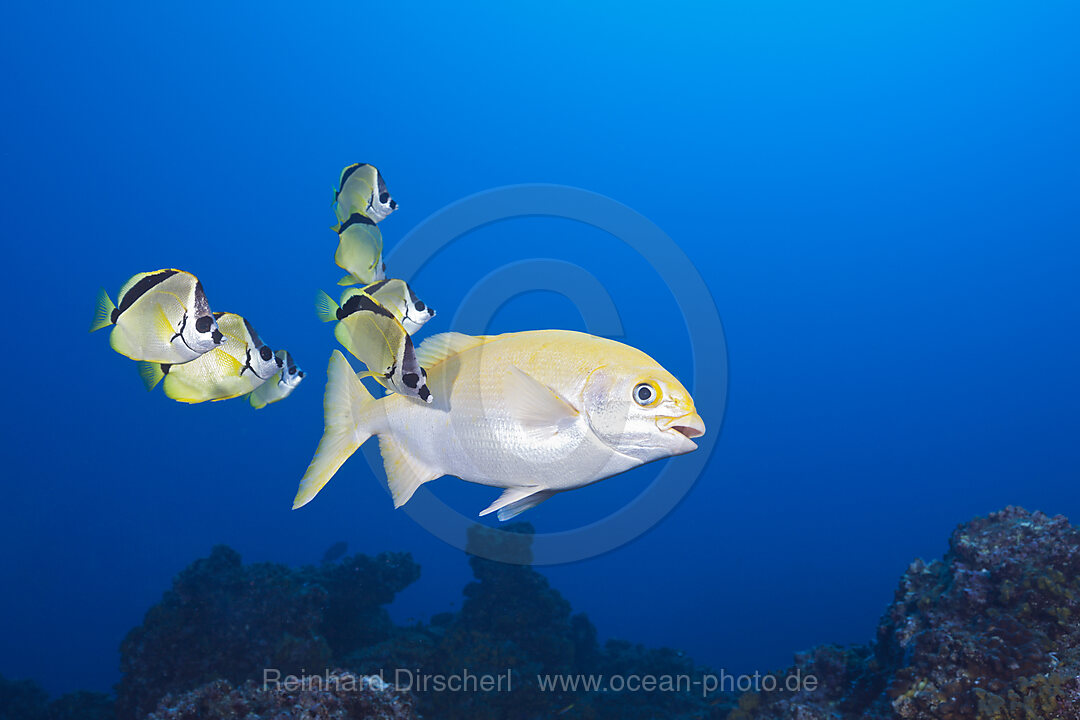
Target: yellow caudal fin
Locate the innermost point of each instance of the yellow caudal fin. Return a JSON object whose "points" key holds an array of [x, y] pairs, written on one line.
{"points": [[103, 311], [343, 403], [325, 307], [151, 373]]}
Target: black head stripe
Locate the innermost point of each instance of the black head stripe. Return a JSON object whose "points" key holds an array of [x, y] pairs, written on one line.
{"points": [[355, 219], [380, 183], [142, 287], [202, 306], [254, 335]]}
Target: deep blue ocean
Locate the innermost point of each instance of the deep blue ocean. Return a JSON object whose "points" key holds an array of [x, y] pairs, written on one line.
{"points": [[883, 200]]}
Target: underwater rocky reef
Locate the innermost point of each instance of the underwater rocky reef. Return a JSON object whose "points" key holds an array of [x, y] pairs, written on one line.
{"points": [[988, 632]]}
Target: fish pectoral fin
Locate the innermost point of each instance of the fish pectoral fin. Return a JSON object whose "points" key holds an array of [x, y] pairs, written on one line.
{"points": [[540, 410], [517, 500], [349, 279], [404, 472]]}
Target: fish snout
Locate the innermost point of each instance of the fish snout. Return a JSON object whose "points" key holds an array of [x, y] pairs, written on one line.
{"points": [[690, 425]]}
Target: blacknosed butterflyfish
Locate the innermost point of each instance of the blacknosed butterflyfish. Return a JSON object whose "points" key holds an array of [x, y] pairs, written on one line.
{"points": [[377, 338], [279, 387], [394, 295], [361, 189], [241, 364], [359, 251], [162, 317]]}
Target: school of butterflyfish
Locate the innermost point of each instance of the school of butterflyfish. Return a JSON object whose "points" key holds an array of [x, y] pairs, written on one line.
{"points": [[534, 413], [164, 323]]}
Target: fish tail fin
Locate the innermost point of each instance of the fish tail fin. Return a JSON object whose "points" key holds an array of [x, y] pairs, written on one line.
{"points": [[326, 307], [343, 406], [151, 373], [103, 311]]}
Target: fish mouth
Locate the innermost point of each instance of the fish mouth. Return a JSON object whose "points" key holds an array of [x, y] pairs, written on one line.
{"points": [[689, 426]]}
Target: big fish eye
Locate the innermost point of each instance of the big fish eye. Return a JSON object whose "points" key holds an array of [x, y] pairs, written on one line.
{"points": [[383, 197], [646, 394], [265, 353], [204, 324]]}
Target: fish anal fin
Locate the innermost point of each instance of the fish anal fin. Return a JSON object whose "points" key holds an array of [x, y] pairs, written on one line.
{"points": [[517, 500], [404, 472], [541, 411], [151, 373]]}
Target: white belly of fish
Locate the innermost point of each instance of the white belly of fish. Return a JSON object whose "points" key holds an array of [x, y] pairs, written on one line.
{"points": [[471, 432]]}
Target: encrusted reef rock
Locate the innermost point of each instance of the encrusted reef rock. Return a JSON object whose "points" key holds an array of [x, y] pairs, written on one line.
{"points": [[334, 695], [513, 622], [989, 632], [226, 620]]}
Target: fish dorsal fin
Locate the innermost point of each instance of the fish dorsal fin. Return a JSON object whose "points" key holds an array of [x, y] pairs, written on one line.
{"points": [[540, 410], [439, 347], [517, 500], [404, 473]]}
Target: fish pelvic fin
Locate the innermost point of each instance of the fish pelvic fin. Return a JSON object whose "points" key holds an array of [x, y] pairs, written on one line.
{"points": [[343, 403], [103, 311], [350, 279], [151, 373], [517, 500], [404, 473], [325, 307]]}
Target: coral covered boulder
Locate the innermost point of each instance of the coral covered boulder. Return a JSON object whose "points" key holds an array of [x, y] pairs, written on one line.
{"points": [[989, 632], [230, 621], [334, 695]]}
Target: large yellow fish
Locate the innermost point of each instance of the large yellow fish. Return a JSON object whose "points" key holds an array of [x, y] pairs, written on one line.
{"points": [[535, 413]]}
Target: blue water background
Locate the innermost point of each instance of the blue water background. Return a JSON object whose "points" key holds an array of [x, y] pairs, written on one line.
{"points": [[882, 198]]}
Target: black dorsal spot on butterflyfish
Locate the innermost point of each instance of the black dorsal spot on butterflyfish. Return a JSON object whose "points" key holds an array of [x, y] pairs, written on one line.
{"points": [[362, 302], [141, 288], [355, 219], [345, 176]]}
